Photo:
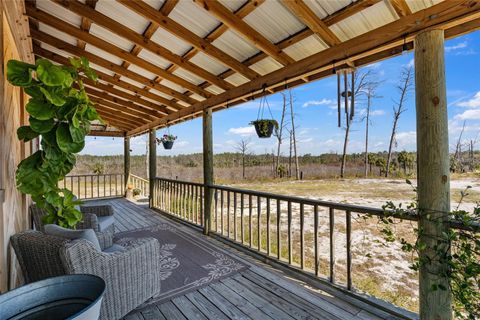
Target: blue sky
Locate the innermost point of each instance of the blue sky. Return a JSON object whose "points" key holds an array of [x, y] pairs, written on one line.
{"points": [[315, 116]]}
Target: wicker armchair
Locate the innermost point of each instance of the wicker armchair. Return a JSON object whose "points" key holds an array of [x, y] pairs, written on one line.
{"points": [[99, 218], [132, 276]]}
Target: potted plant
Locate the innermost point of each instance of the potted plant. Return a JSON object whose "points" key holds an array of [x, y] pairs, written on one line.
{"points": [[264, 127], [60, 114], [167, 141]]}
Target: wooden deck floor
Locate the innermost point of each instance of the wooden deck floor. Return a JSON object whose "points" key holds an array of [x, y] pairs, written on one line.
{"points": [[261, 292]]}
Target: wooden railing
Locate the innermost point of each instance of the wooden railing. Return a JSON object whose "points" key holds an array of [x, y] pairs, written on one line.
{"points": [[92, 186], [287, 230], [139, 183]]}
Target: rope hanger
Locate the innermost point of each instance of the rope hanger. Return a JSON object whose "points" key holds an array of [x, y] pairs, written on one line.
{"points": [[263, 103]]}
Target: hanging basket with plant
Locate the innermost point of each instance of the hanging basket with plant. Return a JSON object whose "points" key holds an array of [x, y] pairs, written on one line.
{"points": [[60, 115], [264, 127], [167, 141]]}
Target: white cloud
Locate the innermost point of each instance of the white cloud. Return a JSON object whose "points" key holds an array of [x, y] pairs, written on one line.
{"points": [[373, 113], [242, 131], [406, 139], [461, 45], [323, 102], [473, 114], [473, 102], [410, 63]]}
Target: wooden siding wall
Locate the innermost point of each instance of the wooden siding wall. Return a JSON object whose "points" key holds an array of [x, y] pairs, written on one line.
{"points": [[13, 205]]}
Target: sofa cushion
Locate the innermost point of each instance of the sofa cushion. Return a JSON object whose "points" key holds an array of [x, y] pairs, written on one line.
{"points": [[105, 222], [87, 234], [114, 248]]}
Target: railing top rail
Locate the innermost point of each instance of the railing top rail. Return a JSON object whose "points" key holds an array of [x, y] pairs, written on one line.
{"points": [[321, 203], [92, 174], [138, 178]]}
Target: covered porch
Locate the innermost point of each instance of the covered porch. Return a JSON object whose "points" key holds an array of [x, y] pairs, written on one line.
{"points": [[164, 62]]}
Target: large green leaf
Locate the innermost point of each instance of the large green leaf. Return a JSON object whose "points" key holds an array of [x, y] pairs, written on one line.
{"points": [[40, 109], [25, 133], [53, 75], [41, 126], [91, 114], [78, 134], [54, 94], [19, 73], [34, 92], [65, 141]]}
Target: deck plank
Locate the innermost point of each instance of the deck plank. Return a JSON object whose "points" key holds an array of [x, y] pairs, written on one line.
{"points": [[170, 311], [188, 309], [208, 309], [152, 313], [223, 304]]}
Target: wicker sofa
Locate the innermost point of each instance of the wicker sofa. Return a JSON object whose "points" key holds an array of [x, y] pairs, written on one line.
{"points": [[132, 275]]}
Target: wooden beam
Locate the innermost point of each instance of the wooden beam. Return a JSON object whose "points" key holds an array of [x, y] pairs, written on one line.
{"points": [[97, 133], [110, 79], [180, 31], [63, 26], [141, 41], [119, 115], [86, 23], [114, 122], [433, 173], [152, 162], [208, 179], [312, 21], [401, 7], [127, 110], [62, 45], [229, 19], [348, 11], [443, 15], [241, 13]]}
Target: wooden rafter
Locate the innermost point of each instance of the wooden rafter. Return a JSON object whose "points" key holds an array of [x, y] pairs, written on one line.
{"points": [[401, 7], [444, 15], [114, 50], [229, 19], [141, 42], [241, 13], [62, 45], [349, 11], [312, 21], [180, 31], [111, 80], [106, 133], [86, 23], [125, 109]]}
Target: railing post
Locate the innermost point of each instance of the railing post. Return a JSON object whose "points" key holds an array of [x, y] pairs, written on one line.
{"points": [[152, 163], [433, 172], [207, 168], [126, 160]]}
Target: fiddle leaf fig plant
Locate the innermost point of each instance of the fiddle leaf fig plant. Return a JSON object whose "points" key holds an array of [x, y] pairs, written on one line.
{"points": [[60, 114]]}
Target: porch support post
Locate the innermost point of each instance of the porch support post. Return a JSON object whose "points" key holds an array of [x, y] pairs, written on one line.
{"points": [[126, 160], [207, 168], [433, 170], [152, 163]]}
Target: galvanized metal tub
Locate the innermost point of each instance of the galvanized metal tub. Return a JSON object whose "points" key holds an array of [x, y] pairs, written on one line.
{"points": [[76, 297]]}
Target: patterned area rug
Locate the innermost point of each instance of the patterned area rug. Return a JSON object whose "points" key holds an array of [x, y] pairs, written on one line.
{"points": [[188, 262]]}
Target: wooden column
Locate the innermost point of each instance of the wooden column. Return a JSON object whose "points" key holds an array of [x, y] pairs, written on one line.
{"points": [[152, 162], [126, 160], [207, 168], [433, 169]]}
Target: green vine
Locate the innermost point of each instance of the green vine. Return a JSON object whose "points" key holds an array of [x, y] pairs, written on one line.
{"points": [[458, 249], [60, 114]]}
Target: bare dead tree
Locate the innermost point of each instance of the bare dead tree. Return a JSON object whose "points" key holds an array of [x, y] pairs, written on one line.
{"points": [[290, 154], [360, 79], [293, 139], [243, 146], [404, 87], [458, 147], [279, 133]]}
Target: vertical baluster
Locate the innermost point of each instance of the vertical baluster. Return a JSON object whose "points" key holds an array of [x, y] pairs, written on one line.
{"points": [[228, 214], [104, 186], [332, 244], [315, 232], [196, 204], [202, 188], [71, 184], [235, 216], [91, 186], [85, 186], [279, 244], [250, 220], [65, 183], [302, 236], [290, 251], [216, 209], [259, 227], [78, 188], [268, 226], [349, 251], [242, 235], [98, 186], [122, 185], [221, 210]]}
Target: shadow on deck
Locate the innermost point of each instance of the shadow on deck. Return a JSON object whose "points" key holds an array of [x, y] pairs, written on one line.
{"points": [[253, 291]]}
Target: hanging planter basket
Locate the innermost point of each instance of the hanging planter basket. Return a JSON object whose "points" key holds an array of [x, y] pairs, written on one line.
{"points": [[167, 140], [264, 127], [167, 145]]}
